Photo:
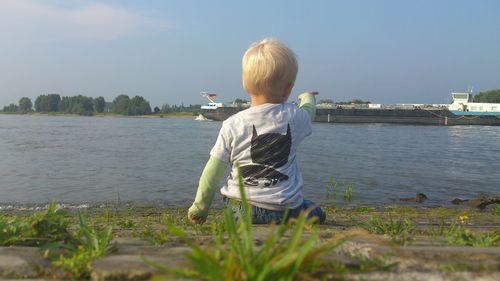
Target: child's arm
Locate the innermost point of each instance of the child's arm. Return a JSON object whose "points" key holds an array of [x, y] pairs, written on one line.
{"points": [[209, 181], [308, 103]]}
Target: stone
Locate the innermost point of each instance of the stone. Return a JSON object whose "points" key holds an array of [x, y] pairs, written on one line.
{"points": [[425, 276], [130, 267], [15, 267]]}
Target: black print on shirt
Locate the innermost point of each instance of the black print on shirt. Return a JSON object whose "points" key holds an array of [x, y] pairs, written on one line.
{"points": [[268, 151]]}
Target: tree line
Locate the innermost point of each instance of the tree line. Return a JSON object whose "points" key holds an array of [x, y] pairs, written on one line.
{"points": [[354, 101], [492, 96], [81, 105]]}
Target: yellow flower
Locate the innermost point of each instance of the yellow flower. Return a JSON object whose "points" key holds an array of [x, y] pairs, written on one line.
{"points": [[464, 219]]}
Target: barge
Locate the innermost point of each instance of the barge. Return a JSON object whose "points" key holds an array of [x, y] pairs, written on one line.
{"points": [[462, 111]]}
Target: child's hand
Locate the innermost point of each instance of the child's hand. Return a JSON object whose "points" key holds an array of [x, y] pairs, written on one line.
{"points": [[301, 96], [195, 219]]}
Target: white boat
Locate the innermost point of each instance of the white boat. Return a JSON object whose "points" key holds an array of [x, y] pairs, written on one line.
{"points": [[212, 104], [464, 105]]}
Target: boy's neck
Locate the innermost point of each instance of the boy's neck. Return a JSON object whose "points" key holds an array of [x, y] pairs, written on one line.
{"points": [[256, 100]]}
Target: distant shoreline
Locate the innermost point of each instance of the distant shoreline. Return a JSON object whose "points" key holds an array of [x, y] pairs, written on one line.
{"points": [[186, 115]]}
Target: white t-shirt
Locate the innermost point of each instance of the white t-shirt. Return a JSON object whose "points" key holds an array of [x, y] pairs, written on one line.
{"points": [[263, 140]]}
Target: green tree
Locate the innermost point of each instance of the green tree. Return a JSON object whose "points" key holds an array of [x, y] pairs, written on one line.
{"points": [[492, 96], [47, 103], [81, 105], [139, 106], [156, 110], [166, 108], [354, 101], [359, 101], [54, 100], [65, 105], [120, 105], [99, 104], [10, 108], [327, 101], [25, 104], [239, 101], [40, 103]]}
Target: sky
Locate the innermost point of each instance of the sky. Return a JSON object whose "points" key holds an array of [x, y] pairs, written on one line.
{"points": [[169, 51]]}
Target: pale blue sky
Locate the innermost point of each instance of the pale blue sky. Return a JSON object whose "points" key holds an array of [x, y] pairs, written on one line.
{"points": [[169, 51]]}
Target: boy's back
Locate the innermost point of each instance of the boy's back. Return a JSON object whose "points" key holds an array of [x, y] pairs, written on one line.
{"points": [[263, 140]]}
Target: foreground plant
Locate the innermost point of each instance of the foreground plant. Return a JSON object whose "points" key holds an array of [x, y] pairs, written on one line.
{"points": [[91, 244], [71, 251], [11, 230], [283, 255], [42, 227]]}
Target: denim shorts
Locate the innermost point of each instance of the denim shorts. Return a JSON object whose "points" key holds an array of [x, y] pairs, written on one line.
{"points": [[265, 216]]}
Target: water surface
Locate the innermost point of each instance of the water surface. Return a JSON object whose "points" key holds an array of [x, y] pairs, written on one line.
{"points": [[96, 159]]}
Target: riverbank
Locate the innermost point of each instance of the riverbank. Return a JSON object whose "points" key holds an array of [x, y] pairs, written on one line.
{"points": [[109, 114], [378, 243]]}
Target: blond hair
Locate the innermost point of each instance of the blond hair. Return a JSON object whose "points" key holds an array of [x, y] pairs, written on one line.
{"points": [[268, 67]]}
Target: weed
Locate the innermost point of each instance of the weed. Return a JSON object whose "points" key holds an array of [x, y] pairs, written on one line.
{"points": [[399, 230], [348, 192], [42, 227], [376, 264], [439, 231], [156, 237], [126, 223], [454, 267], [362, 209], [12, 230], [331, 188], [159, 236], [235, 256], [48, 229], [91, 244], [497, 210], [50, 226], [458, 234]]}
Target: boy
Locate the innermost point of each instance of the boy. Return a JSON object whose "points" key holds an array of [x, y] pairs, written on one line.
{"points": [[263, 140]]}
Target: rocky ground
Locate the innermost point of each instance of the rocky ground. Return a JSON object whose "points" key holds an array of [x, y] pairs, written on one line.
{"points": [[422, 247]]}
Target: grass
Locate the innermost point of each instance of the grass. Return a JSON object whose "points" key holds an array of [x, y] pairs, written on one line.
{"points": [[348, 192], [401, 230], [91, 244], [71, 241], [362, 209], [234, 256], [331, 190], [458, 234], [41, 228], [71, 252], [455, 233]]}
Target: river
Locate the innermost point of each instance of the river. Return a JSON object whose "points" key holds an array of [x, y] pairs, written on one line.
{"points": [[90, 160]]}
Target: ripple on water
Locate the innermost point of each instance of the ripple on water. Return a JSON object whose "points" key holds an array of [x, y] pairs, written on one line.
{"points": [[90, 159]]}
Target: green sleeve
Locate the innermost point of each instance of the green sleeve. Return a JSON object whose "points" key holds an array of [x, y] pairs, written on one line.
{"points": [[308, 103], [209, 181]]}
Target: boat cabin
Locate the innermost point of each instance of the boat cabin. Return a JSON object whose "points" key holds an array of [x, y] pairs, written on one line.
{"points": [[212, 105], [464, 105]]}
